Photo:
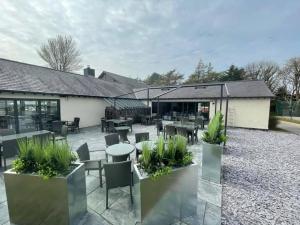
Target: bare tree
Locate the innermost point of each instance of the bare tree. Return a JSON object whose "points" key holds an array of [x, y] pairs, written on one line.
{"points": [[291, 76], [61, 54], [264, 70]]}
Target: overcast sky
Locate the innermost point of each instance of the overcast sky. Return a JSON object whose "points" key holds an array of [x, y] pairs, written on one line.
{"points": [[136, 38]]}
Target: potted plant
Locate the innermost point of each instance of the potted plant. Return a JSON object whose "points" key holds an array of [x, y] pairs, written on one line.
{"points": [[213, 140], [45, 185], [165, 182]]}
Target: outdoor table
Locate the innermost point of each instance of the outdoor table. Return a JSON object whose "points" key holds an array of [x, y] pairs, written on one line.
{"points": [[139, 146], [17, 136], [123, 131], [119, 149]]}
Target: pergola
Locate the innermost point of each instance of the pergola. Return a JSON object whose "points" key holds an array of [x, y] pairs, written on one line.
{"points": [[222, 86]]}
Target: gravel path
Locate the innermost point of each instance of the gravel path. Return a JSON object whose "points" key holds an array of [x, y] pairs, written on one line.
{"points": [[261, 183]]}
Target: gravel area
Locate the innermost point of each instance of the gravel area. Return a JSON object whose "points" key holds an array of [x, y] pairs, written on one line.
{"points": [[261, 178]]}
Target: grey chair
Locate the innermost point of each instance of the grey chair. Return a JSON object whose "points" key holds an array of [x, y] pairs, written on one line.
{"points": [[11, 148], [43, 139], [74, 125], [183, 132], [118, 175], [60, 131], [83, 153], [7, 132], [170, 131], [138, 138], [112, 139]]}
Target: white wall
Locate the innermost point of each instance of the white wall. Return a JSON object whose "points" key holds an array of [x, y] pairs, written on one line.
{"points": [[245, 112], [90, 110]]}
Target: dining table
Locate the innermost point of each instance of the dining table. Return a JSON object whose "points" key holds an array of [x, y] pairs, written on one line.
{"points": [[119, 149], [17, 136]]}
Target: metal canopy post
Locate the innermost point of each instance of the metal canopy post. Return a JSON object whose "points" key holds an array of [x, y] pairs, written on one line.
{"points": [[221, 99]]}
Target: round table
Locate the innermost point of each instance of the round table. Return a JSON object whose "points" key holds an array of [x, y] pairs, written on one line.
{"points": [[119, 149], [139, 146]]}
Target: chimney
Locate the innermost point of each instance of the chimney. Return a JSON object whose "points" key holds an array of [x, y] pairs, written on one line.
{"points": [[89, 71]]}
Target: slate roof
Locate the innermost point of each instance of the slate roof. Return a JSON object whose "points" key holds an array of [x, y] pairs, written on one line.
{"points": [[127, 81], [22, 77], [237, 89]]}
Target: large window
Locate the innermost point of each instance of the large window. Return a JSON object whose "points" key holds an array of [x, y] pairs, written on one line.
{"points": [[24, 115]]}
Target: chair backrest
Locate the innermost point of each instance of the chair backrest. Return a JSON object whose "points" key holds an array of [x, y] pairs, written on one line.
{"points": [[182, 131], [56, 126], [11, 147], [141, 137], [159, 125], [76, 121], [7, 132], [120, 158], [112, 139], [170, 130], [43, 139], [118, 174], [83, 152]]}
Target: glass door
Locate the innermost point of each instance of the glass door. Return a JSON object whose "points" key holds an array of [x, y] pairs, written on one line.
{"points": [[7, 117], [28, 115]]}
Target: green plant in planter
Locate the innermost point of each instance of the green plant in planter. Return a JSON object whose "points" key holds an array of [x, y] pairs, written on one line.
{"points": [[215, 131], [164, 157], [48, 160]]}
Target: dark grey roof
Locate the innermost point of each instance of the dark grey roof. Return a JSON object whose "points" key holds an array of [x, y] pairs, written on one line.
{"points": [[126, 103], [237, 89], [129, 82], [22, 77]]}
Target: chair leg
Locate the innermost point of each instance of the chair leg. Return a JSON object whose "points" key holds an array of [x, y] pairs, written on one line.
{"points": [[100, 175], [131, 198], [106, 198]]}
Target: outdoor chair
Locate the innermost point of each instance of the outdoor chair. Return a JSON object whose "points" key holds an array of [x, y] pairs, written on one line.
{"points": [[42, 139], [159, 127], [74, 125], [118, 174], [112, 139], [199, 122], [60, 131], [104, 125], [138, 138], [129, 123], [183, 132], [111, 126], [143, 120], [83, 153], [7, 132], [10, 148], [170, 131]]}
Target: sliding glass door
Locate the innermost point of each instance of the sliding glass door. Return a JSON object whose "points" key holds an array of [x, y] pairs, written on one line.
{"points": [[24, 115]]}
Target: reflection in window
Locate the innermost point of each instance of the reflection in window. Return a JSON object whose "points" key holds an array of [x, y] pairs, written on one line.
{"points": [[7, 119]]}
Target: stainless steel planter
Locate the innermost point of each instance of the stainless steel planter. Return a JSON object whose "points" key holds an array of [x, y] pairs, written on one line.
{"points": [[170, 197], [59, 200], [212, 162]]}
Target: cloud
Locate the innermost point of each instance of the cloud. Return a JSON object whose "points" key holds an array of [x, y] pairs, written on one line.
{"points": [[136, 38]]}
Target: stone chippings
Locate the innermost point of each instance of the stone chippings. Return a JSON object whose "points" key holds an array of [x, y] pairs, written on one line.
{"points": [[261, 178]]}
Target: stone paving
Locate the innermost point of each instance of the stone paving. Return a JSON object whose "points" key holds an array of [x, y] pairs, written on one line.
{"points": [[121, 211]]}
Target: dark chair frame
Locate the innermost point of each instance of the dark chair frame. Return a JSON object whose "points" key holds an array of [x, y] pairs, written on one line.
{"points": [[138, 138], [10, 148]]}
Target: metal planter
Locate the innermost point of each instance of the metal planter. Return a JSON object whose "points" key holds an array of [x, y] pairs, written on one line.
{"points": [[32, 200], [166, 199], [212, 162]]}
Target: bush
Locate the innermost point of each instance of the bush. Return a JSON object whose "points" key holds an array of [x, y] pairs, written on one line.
{"points": [[215, 131], [47, 160], [163, 158], [273, 122]]}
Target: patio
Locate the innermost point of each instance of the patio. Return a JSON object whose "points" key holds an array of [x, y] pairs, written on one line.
{"points": [[121, 211]]}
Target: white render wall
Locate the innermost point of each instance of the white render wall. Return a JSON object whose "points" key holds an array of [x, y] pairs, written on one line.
{"points": [[90, 110], [245, 112]]}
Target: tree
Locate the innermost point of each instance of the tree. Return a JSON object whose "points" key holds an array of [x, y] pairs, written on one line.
{"points": [[291, 76], [265, 70], [154, 79], [203, 73], [61, 54], [233, 73], [172, 78]]}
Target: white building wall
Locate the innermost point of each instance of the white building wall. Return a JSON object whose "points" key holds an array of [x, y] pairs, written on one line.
{"points": [[245, 112], [90, 110]]}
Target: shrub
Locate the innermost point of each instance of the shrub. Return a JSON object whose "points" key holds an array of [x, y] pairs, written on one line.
{"points": [[273, 122], [215, 131], [47, 160], [164, 157]]}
